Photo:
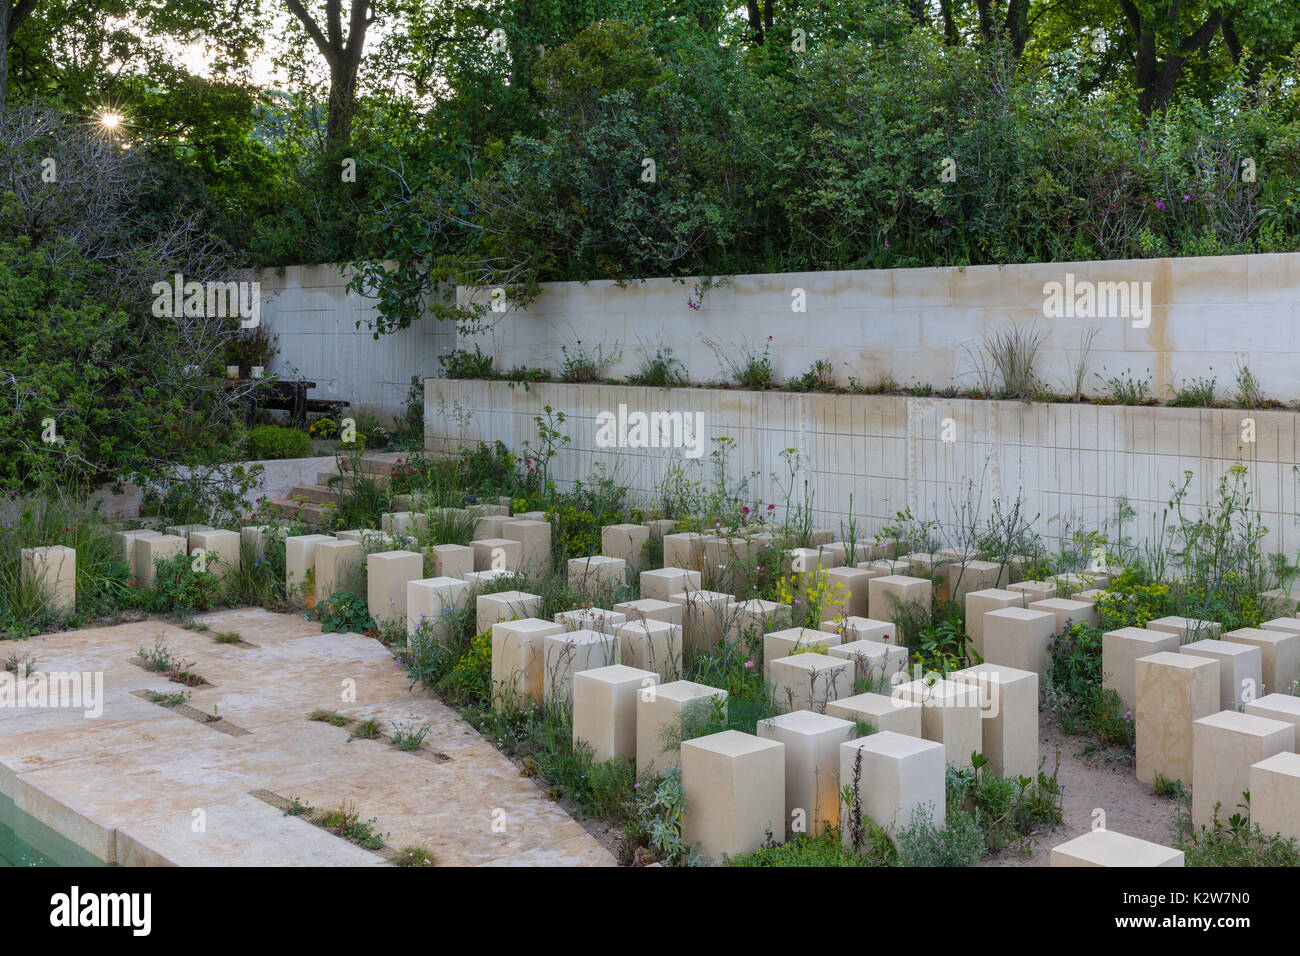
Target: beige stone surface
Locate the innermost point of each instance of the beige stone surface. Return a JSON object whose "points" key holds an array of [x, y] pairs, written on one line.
{"points": [[597, 574], [787, 641], [1188, 629], [519, 660], [735, 792], [855, 591], [1008, 717], [1224, 746], [432, 600], [1067, 611], [861, 629], [1120, 651], [1241, 669], [950, 715], [749, 621], [1275, 794], [590, 619], [626, 541], [387, 574], [662, 718], [1034, 590], [980, 602], [963, 577], [126, 545], [1282, 707], [450, 561], [651, 645], [1279, 656], [52, 570], [1108, 848], [604, 709], [336, 562], [808, 681], [812, 766], [684, 550], [567, 653], [874, 663], [300, 566], [881, 711], [651, 609], [160, 547], [706, 616], [1019, 637], [898, 776], [534, 539], [662, 583], [491, 554], [504, 606], [223, 545], [1173, 690], [889, 591]]}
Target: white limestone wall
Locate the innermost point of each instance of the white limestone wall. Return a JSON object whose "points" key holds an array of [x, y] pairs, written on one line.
{"points": [[1070, 462], [1207, 314], [314, 316]]}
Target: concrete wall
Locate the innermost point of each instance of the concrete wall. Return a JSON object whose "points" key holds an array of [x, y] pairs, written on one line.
{"points": [[916, 324], [1070, 462], [315, 319]]}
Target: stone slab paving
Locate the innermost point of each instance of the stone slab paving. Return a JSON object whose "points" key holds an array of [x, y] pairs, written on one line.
{"points": [[143, 784]]}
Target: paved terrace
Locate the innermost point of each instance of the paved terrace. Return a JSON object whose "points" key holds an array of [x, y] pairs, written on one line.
{"points": [[127, 785]]}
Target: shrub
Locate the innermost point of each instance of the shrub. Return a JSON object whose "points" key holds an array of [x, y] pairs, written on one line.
{"points": [[462, 363], [276, 441], [345, 613]]}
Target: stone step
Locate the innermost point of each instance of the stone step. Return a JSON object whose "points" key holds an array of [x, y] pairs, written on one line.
{"points": [[316, 494], [307, 512], [323, 478]]}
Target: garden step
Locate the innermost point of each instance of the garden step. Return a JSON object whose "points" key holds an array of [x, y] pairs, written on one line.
{"points": [[323, 478], [317, 494], [376, 463], [305, 511]]}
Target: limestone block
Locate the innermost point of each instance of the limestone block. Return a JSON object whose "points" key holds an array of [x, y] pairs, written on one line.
{"points": [[450, 560], [126, 544], [534, 539], [161, 547], [531, 516], [255, 536], [1018, 637], [662, 583], [52, 570], [431, 600], [224, 546], [597, 575], [1120, 651], [1068, 585], [855, 591], [666, 715], [705, 617], [1172, 691], [808, 560], [660, 527], [590, 619], [978, 603], [750, 620], [626, 541], [793, 640], [1188, 629], [1036, 590], [684, 550], [387, 574], [819, 537], [1279, 655], [1009, 717], [1241, 669], [1224, 746], [735, 792], [809, 681], [185, 530], [898, 776], [1280, 601], [1091, 595], [300, 565], [1108, 848], [874, 663], [397, 522], [503, 606], [336, 563], [1290, 624], [1067, 612], [950, 715], [519, 660], [1283, 707], [604, 709], [727, 563], [651, 645], [861, 629], [963, 578], [812, 766], [492, 554], [651, 610], [861, 552], [489, 526], [889, 591], [880, 712], [1275, 794], [477, 580], [569, 652], [483, 509]]}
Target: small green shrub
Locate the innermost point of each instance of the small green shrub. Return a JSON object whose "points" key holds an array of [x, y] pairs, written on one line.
{"points": [[462, 363], [345, 613], [276, 441]]}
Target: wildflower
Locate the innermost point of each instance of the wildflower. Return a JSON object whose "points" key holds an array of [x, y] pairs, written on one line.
{"points": [[1160, 204], [749, 665]]}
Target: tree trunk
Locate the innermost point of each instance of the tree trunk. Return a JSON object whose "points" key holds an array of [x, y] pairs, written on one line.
{"points": [[12, 15], [1156, 81], [342, 55]]}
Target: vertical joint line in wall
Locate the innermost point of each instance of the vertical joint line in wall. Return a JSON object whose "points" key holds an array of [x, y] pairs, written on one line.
{"points": [[995, 446], [910, 453]]}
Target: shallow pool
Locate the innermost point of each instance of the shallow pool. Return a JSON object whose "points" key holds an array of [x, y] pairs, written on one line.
{"points": [[25, 841]]}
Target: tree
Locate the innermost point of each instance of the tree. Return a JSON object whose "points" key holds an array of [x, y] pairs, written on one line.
{"points": [[1181, 31], [12, 15], [343, 57]]}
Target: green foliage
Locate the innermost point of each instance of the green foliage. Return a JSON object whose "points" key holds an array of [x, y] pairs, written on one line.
{"points": [[345, 613], [179, 589], [1232, 842], [275, 441], [959, 842], [409, 738], [462, 363], [803, 849]]}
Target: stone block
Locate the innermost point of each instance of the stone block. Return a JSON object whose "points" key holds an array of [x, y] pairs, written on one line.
{"points": [[569, 652], [735, 792], [1035, 590], [52, 570], [651, 645], [979, 603], [534, 539], [793, 640], [604, 709], [1008, 717], [1282, 707], [1290, 624], [889, 591], [1241, 669], [519, 660], [854, 589], [1067, 611], [1108, 848], [1188, 629], [397, 522], [662, 583], [812, 766], [492, 554], [1018, 637], [1275, 795], [224, 546], [477, 580], [488, 527], [503, 606], [185, 530], [431, 600], [161, 547], [300, 567], [598, 575], [336, 564], [651, 610], [861, 629], [1280, 601], [626, 541], [1173, 690], [254, 537], [666, 715], [705, 618], [874, 663], [387, 574], [809, 681], [684, 550], [750, 620], [897, 778], [450, 560], [1224, 746], [1279, 656], [126, 547], [950, 715], [1120, 651], [660, 527], [961, 579], [590, 619], [880, 711]]}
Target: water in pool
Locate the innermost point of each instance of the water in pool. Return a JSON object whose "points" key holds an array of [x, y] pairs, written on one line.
{"points": [[25, 841]]}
